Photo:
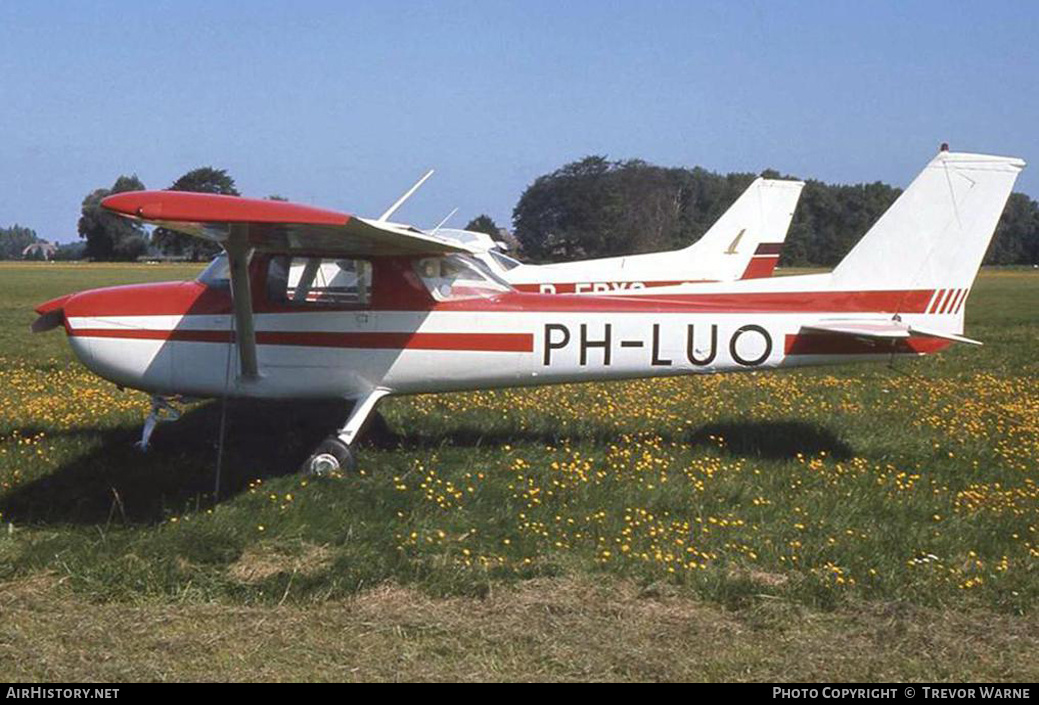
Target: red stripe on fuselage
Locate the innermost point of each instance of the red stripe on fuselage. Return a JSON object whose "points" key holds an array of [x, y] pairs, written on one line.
{"points": [[192, 298], [466, 342], [593, 288], [896, 301]]}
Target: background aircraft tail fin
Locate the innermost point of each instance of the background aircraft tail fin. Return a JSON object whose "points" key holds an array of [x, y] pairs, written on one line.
{"points": [[747, 239]]}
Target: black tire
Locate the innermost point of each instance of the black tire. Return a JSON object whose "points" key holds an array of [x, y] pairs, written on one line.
{"points": [[330, 457]]}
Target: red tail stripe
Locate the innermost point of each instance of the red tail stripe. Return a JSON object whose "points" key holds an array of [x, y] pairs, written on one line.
{"points": [[962, 299], [934, 301], [938, 300], [769, 248], [943, 301], [760, 267], [959, 300]]}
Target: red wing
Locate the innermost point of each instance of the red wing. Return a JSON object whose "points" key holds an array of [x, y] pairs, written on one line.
{"points": [[276, 225]]}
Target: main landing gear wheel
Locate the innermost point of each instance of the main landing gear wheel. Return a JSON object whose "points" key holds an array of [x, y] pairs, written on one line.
{"points": [[332, 456]]}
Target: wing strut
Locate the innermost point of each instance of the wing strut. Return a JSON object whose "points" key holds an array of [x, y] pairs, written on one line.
{"points": [[238, 255]]}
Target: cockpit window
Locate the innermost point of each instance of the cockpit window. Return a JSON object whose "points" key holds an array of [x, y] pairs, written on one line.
{"points": [[456, 277], [319, 281], [217, 273], [504, 261]]}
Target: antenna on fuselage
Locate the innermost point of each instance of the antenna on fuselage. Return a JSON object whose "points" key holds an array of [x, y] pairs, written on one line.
{"points": [[400, 201], [441, 223]]}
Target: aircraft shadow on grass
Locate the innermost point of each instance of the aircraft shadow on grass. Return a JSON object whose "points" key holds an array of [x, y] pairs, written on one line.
{"points": [[117, 483]]}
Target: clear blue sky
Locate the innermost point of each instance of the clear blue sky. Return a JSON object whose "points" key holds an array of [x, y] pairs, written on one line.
{"points": [[344, 104]]}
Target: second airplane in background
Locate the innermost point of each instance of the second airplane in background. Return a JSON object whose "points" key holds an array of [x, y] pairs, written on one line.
{"points": [[744, 243]]}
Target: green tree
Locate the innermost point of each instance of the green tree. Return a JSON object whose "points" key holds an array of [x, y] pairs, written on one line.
{"points": [[567, 214], [829, 220], [202, 180], [598, 208], [1016, 233], [483, 224], [109, 236], [70, 251], [14, 240]]}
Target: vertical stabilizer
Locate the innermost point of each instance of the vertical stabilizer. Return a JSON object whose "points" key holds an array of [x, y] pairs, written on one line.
{"points": [[746, 241], [935, 235]]}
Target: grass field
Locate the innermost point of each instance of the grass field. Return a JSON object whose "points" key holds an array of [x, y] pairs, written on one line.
{"points": [[858, 522]]}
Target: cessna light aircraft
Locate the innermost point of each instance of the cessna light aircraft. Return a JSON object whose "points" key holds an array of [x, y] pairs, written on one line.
{"points": [[408, 312], [744, 243]]}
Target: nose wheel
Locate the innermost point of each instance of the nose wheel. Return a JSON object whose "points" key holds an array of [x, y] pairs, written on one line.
{"points": [[334, 455]]}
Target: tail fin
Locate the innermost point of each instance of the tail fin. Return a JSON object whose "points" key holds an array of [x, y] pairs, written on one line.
{"points": [[935, 235], [746, 240], [931, 241]]}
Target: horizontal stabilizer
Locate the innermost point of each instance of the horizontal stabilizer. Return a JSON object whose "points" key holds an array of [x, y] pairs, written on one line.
{"points": [[928, 333], [882, 330]]}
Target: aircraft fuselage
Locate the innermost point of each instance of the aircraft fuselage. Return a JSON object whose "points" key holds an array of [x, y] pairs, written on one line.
{"points": [[177, 338]]}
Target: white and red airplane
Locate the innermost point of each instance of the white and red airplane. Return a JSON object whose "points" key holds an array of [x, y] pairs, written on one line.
{"points": [[744, 243], [311, 303]]}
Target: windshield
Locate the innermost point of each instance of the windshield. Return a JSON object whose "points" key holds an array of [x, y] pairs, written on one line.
{"points": [[457, 277], [504, 260], [217, 273]]}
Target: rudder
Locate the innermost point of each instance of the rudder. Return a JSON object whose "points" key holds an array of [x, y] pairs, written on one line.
{"points": [[934, 236], [746, 241]]}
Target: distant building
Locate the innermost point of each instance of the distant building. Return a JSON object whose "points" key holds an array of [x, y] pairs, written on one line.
{"points": [[41, 248]]}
